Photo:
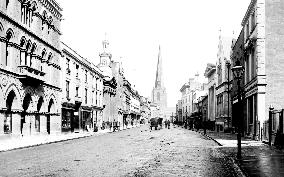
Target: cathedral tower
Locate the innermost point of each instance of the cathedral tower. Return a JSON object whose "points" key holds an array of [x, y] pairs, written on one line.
{"points": [[159, 95]]}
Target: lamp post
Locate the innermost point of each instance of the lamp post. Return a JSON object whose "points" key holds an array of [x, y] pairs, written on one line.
{"points": [[228, 64], [238, 71]]}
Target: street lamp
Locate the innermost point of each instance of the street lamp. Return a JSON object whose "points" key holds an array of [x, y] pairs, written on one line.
{"points": [[238, 71], [228, 64]]}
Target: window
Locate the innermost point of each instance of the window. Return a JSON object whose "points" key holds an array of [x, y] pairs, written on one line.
{"points": [[67, 89], [93, 94], [86, 96], [253, 21], [77, 71], [96, 98], [86, 76], [247, 68], [158, 96], [253, 63], [7, 2], [68, 66], [219, 72], [247, 31], [77, 91]]}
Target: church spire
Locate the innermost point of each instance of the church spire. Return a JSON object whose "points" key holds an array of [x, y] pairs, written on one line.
{"points": [[158, 81]]}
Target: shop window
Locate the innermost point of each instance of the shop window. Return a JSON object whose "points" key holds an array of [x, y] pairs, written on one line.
{"points": [[8, 123], [37, 123]]}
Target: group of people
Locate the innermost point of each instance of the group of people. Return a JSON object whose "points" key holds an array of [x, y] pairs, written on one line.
{"points": [[167, 124]]}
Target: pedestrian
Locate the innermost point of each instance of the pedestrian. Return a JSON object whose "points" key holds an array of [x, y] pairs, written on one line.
{"points": [[166, 123]]}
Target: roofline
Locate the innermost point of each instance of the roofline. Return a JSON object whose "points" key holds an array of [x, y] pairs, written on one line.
{"points": [[252, 2]]}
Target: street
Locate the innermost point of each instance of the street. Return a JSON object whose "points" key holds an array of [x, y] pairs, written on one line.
{"points": [[132, 152]]}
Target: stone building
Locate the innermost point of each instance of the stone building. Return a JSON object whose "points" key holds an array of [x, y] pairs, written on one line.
{"points": [[110, 113], [135, 108], [210, 74], [263, 53], [223, 122], [159, 94], [29, 67], [118, 74], [179, 112], [237, 54], [185, 102], [82, 92], [126, 103], [145, 109]]}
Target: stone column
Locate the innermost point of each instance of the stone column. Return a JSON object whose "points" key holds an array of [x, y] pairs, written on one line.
{"points": [[16, 123], [2, 116], [43, 124], [32, 124], [2, 53]]}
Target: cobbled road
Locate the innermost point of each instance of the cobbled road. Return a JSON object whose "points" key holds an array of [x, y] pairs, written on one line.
{"points": [[137, 152]]}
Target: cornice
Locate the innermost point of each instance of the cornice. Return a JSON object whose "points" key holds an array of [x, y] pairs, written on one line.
{"points": [[249, 10], [53, 7]]}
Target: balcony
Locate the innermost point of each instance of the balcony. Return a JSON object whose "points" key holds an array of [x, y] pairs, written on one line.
{"points": [[30, 75]]}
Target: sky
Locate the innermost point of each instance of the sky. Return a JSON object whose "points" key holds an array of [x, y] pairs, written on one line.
{"points": [[187, 31]]}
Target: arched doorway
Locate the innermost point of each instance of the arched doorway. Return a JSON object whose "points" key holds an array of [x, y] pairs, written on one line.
{"points": [[37, 116], [26, 105], [10, 103], [50, 109]]}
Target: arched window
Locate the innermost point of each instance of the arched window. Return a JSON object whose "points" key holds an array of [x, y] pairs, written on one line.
{"points": [[158, 96], [23, 42], [7, 3], [9, 36], [49, 58], [43, 53], [33, 49]]}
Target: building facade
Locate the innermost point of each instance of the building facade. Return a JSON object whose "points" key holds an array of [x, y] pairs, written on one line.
{"points": [[263, 79], [82, 92], [223, 122], [185, 102], [210, 74], [237, 54], [29, 67]]}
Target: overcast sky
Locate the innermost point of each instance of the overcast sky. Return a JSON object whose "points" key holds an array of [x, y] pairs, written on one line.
{"points": [[187, 31]]}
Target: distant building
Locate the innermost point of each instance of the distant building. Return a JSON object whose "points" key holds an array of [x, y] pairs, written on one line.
{"points": [[110, 113], [179, 112], [223, 121], [210, 74], [185, 102], [159, 95]]}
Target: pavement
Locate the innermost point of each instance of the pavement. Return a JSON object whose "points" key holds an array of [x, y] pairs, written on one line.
{"points": [[258, 159], [8, 143]]}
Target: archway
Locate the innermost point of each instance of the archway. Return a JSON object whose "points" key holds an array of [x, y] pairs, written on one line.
{"points": [[10, 104]]}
